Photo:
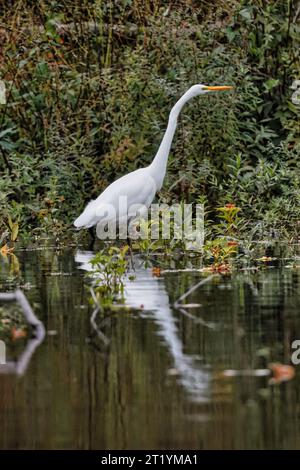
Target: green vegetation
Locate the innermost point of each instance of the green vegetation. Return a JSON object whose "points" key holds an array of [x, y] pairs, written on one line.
{"points": [[109, 267], [89, 88]]}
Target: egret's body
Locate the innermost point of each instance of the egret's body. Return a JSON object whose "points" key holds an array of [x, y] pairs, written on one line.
{"points": [[140, 186]]}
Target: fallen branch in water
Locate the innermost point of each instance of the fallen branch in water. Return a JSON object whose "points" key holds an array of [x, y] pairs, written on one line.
{"points": [[19, 367], [182, 307], [192, 289]]}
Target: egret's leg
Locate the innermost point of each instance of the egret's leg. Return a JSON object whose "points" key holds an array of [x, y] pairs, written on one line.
{"points": [[130, 252], [93, 238]]}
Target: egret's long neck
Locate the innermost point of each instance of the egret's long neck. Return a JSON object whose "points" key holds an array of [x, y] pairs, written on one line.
{"points": [[159, 164]]}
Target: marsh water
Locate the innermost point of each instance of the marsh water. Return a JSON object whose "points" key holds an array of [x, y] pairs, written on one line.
{"points": [[157, 376]]}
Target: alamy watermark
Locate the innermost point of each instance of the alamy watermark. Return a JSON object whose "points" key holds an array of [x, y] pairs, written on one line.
{"points": [[295, 358], [296, 95], [2, 92], [2, 353], [159, 221]]}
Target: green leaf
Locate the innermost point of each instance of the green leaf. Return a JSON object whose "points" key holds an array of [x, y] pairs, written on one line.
{"points": [[271, 83], [14, 232], [10, 223], [230, 34], [246, 13], [7, 145], [10, 130], [42, 70]]}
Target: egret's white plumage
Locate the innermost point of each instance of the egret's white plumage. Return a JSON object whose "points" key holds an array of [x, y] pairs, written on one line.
{"points": [[140, 186]]}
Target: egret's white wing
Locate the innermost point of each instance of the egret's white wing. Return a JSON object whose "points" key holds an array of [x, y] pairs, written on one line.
{"points": [[136, 188]]}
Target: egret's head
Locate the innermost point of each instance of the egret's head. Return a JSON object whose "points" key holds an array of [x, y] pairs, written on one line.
{"points": [[201, 89]]}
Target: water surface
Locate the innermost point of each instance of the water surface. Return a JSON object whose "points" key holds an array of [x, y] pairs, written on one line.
{"points": [[159, 383]]}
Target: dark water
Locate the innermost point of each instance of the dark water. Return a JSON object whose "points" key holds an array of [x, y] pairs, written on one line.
{"points": [[159, 383]]}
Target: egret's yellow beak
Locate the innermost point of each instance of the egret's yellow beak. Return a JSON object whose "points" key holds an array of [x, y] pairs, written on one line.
{"points": [[217, 88]]}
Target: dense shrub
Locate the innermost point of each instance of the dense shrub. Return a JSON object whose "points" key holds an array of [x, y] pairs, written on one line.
{"points": [[90, 85]]}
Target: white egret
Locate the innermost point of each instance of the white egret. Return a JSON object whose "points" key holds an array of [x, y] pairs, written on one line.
{"points": [[140, 186]]}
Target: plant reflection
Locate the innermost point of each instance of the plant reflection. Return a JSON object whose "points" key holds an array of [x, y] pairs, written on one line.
{"points": [[148, 294]]}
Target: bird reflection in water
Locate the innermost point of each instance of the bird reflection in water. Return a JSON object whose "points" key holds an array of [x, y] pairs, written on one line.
{"points": [[150, 292]]}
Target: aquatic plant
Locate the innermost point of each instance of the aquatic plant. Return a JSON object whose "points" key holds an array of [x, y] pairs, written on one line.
{"points": [[109, 267]]}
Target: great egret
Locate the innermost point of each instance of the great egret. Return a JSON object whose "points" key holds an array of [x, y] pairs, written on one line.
{"points": [[140, 186]]}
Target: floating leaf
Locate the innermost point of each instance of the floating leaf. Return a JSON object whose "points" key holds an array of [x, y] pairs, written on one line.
{"points": [[18, 333], [281, 373], [156, 271]]}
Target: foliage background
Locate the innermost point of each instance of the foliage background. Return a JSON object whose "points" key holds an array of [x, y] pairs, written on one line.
{"points": [[89, 88]]}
